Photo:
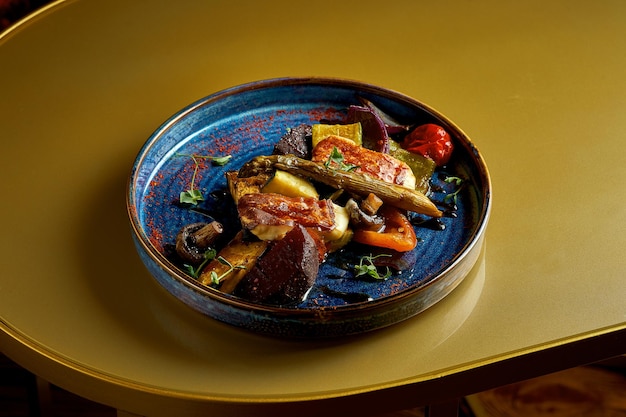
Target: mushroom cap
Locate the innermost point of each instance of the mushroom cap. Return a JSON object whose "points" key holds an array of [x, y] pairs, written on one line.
{"points": [[186, 245]]}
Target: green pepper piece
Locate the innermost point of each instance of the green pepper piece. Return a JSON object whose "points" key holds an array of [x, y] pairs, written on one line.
{"points": [[421, 166]]}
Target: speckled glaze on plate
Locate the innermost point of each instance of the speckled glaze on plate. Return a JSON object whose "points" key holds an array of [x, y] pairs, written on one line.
{"points": [[246, 121]]}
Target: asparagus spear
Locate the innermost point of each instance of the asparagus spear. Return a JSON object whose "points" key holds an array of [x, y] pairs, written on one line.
{"points": [[395, 195]]}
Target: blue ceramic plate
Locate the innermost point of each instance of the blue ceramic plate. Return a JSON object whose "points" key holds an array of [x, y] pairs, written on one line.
{"points": [[247, 121]]}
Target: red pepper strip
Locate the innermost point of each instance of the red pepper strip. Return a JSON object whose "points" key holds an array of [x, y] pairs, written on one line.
{"points": [[398, 233], [431, 141]]}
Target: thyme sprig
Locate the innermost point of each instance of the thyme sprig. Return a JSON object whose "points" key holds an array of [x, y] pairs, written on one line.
{"points": [[192, 195], [366, 267], [209, 255], [215, 279]]}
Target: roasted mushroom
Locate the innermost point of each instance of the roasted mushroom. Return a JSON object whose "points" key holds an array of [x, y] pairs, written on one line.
{"points": [[361, 219], [195, 239], [371, 204]]}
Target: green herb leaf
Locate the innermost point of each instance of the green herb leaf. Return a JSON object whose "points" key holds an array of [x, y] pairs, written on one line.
{"points": [[336, 159], [209, 255], [215, 279], [221, 160], [366, 267], [192, 197], [456, 180], [191, 270], [224, 261], [452, 197]]}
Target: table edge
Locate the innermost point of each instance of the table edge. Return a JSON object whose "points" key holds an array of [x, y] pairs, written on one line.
{"points": [[420, 390]]}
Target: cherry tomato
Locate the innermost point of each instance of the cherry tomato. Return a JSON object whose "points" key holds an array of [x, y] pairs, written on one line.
{"points": [[430, 140]]}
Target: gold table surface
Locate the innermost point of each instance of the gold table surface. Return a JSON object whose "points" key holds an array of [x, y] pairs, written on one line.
{"points": [[540, 88]]}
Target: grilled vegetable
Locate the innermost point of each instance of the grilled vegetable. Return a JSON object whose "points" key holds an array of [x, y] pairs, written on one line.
{"points": [[366, 161], [342, 221], [421, 166], [240, 186], [271, 216], [335, 245], [285, 273], [395, 195], [398, 233], [297, 141], [392, 126], [290, 185], [352, 131], [375, 135], [238, 252]]}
